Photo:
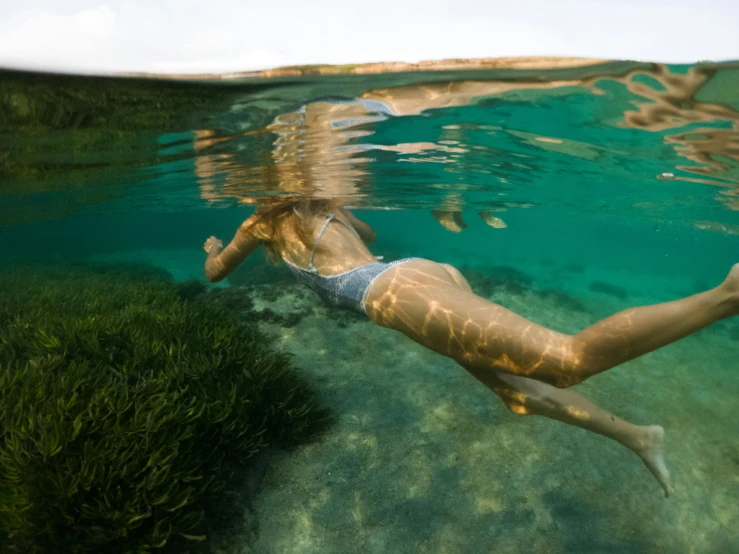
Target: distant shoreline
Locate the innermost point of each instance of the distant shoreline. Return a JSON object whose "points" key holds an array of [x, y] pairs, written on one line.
{"points": [[529, 62]]}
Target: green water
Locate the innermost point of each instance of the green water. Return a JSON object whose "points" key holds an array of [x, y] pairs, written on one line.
{"points": [[618, 185]]}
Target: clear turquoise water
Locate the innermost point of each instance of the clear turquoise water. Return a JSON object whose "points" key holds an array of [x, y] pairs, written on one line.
{"points": [[618, 184]]}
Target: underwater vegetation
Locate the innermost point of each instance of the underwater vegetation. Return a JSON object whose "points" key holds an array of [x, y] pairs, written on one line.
{"points": [[127, 405], [68, 129]]}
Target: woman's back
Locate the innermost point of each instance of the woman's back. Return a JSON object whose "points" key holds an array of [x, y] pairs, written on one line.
{"points": [[316, 234]]}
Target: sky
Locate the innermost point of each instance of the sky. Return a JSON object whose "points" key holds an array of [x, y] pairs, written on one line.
{"points": [[183, 36]]}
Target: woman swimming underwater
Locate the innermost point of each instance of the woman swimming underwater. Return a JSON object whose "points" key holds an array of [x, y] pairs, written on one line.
{"points": [[526, 365]]}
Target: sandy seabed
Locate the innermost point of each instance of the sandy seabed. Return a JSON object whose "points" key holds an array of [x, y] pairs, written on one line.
{"points": [[423, 458]]}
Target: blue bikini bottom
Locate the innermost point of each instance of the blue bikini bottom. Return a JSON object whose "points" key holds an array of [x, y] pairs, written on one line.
{"points": [[344, 290]]}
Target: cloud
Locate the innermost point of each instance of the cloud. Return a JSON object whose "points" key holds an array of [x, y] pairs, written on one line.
{"points": [[51, 40]]}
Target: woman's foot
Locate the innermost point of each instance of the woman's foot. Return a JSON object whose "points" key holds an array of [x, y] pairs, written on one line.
{"points": [[731, 285], [650, 449]]}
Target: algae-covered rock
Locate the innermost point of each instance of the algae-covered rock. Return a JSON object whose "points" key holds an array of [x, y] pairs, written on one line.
{"points": [[125, 403]]}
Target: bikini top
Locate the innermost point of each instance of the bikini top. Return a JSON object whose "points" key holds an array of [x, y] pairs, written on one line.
{"points": [[329, 218]]}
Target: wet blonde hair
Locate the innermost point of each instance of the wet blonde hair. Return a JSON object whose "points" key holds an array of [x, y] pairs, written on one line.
{"points": [[274, 213]]}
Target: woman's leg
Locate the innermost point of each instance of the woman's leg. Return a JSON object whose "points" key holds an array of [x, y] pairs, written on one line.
{"points": [[529, 397], [636, 331], [423, 300]]}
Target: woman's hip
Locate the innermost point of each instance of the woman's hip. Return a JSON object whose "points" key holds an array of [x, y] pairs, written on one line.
{"points": [[409, 279]]}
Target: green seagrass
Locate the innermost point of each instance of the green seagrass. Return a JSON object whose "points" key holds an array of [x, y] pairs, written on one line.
{"points": [[125, 402]]}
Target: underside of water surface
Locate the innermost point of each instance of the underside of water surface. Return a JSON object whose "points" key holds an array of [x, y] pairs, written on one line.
{"points": [[563, 190]]}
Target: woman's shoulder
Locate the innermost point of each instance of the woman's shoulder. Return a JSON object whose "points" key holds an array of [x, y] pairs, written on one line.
{"points": [[259, 225]]}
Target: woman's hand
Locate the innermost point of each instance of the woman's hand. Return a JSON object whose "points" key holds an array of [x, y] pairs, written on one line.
{"points": [[212, 242]]}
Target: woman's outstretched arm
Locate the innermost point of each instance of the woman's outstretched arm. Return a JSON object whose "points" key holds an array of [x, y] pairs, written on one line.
{"points": [[222, 261]]}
